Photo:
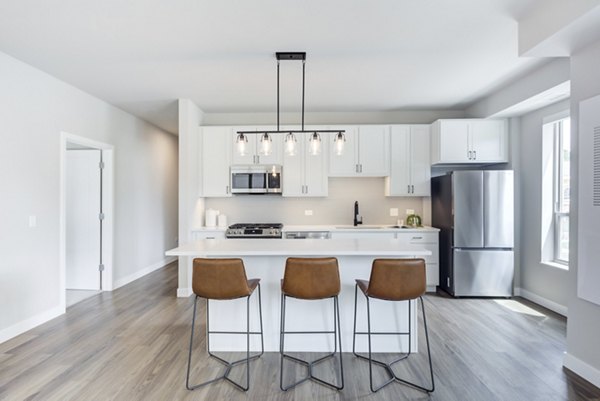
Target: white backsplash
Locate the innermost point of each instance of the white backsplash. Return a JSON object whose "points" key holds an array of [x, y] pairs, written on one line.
{"points": [[337, 208]]}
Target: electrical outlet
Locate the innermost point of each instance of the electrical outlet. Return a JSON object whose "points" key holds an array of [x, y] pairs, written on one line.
{"points": [[308, 212], [410, 211], [393, 211], [32, 221]]}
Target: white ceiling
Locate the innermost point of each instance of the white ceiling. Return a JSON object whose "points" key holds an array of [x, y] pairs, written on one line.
{"points": [[142, 55]]}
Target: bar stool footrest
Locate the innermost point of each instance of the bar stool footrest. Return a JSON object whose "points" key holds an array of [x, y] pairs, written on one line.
{"points": [[311, 376]]}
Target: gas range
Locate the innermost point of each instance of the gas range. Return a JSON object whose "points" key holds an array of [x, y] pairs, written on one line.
{"points": [[254, 230]]}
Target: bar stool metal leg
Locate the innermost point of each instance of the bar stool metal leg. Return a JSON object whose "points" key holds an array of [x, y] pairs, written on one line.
{"points": [[337, 338], [228, 365], [388, 366]]}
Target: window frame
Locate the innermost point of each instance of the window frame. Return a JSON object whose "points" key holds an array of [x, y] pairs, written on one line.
{"points": [[558, 188]]}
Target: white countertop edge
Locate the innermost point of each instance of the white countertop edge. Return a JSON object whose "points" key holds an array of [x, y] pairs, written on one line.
{"points": [[292, 247], [338, 228]]}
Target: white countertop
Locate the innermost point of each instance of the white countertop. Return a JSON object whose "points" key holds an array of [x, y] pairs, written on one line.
{"points": [[340, 228], [380, 228], [294, 247]]}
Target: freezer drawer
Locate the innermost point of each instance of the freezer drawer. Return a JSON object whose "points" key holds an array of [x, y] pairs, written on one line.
{"points": [[483, 273]]}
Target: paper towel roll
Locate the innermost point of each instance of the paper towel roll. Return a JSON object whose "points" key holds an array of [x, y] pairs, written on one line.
{"points": [[211, 217]]}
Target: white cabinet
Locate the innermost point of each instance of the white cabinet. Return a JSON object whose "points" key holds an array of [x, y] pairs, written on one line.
{"points": [[410, 167], [469, 141], [208, 234], [253, 154], [216, 158], [305, 174], [429, 241], [365, 152]]}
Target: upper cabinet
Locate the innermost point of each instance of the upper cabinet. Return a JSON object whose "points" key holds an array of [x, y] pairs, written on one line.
{"points": [[216, 158], [305, 174], [365, 154], [253, 154], [410, 167], [468, 141]]}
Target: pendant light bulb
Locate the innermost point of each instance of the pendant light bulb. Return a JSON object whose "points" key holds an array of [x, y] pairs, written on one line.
{"points": [[315, 144], [340, 138], [290, 144], [241, 142], [265, 144]]}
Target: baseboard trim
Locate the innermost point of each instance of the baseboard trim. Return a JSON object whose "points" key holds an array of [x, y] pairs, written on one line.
{"points": [[28, 324], [546, 303], [184, 292], [583, 369], [141, 273]]}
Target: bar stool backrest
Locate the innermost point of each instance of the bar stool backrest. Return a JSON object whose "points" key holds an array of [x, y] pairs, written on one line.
{"points": [[397, 279], [220, 278], [311, 278]]}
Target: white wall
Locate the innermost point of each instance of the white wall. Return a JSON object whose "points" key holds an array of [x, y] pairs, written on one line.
{"points": [[337, 208], [583, 326], [191, 205], [36, 107], [541, 280]]}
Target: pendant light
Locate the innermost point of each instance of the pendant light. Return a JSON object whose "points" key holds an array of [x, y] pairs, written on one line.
{"points": [[315, 144], [290, 137], [240, 142], [339, 140], [266, 144], [290, 144]]}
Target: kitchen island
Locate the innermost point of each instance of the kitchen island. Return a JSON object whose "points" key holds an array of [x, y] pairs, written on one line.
{"points": [[265, 259]]}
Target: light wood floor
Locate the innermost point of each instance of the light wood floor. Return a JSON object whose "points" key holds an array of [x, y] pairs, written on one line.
{"points": [[132, 345]]}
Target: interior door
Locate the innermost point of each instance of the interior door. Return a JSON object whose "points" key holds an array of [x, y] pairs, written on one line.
{"points": [[82, 219], [467, 189]]}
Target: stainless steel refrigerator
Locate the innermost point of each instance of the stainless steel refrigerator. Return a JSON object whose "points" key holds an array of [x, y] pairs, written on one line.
{"points": [[475, 212]]}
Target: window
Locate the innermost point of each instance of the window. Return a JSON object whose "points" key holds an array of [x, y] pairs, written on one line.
{"points": [[556, 187], [562, 189]]}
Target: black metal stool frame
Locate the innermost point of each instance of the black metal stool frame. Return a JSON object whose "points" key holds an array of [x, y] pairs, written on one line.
{"points": [[337, 337], [228, 365], [388, 366]]}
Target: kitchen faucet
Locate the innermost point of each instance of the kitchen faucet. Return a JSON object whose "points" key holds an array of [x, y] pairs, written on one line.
{"points": [[357, 217]]}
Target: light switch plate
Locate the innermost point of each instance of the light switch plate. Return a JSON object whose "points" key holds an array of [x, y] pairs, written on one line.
{"points": [[393, 211], [308, 212], [32, 221]]}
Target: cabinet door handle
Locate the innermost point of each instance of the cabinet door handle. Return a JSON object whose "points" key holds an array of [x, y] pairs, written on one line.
{"points": [[306, 189], [417, 237], [412, 189], [361, 168], [469, 154], [356, 168], [227, 189], [474, 155]]}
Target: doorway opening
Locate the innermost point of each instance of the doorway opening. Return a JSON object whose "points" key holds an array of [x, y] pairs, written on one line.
{"points": [[86, 218]]}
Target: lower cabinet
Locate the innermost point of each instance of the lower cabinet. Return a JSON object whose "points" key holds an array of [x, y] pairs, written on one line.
{"points": [[429, 241], [208, 234]]}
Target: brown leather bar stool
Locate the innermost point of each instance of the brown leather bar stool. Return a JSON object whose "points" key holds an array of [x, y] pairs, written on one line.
{"points": [[393, 280], [311, 279], [223, 279]]}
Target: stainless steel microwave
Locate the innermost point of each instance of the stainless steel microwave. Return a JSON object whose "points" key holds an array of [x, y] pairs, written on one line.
{"points": [[256, 179]]}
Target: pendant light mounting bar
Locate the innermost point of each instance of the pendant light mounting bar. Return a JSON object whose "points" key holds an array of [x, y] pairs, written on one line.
{"points": [[291, 56]]}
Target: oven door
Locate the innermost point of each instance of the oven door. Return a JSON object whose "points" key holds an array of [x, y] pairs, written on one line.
{"points": [[248, 182]]}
